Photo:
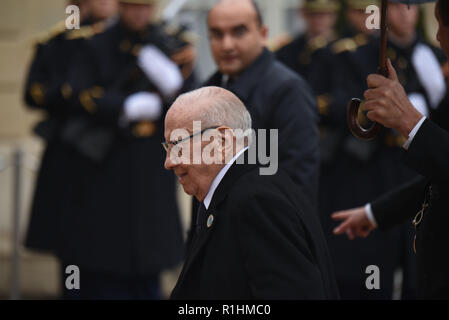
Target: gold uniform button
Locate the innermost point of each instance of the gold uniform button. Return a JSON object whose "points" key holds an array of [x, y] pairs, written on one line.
{"points": [[66, 91], [125, 45], [144, 129], [210, 221], [136, 49], [402, 63]]}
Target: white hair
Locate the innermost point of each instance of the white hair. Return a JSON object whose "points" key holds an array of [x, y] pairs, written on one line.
{"points": [[226, 109]]}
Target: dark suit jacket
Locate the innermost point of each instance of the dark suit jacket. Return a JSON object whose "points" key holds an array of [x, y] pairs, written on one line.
{"points": [[264, 243], [428, 155]]}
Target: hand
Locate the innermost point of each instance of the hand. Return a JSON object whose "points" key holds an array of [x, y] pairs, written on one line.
{"points": [[142, 106], [163, 72], [387, 103], [356, 223], [185, 59]]}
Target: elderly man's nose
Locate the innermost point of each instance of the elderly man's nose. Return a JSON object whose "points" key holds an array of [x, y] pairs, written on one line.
{"points": [[169, 165]]}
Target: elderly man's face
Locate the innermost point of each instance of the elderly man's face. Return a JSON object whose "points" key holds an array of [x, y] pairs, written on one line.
{"points": [[443, 33], [236, 37], [194, 178]]}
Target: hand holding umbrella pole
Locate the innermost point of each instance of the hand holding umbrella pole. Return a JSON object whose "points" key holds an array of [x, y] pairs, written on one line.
{"points": [[355, 104]]}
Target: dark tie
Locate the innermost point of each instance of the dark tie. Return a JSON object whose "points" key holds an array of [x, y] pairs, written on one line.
{"points": [[200, 217], [228, 84]]}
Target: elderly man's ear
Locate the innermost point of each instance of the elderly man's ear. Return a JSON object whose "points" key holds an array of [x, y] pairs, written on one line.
{"points": [[226, 134], [227, 137]]}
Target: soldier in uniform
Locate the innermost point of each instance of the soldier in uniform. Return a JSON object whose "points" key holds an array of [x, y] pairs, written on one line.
{"points": [[118, 219], [356, 171], [320, 17], [46, 89]]}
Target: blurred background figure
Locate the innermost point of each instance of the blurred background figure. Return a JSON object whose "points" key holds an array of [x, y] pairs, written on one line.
{"points": [[354, 171], [104, 201], [47, 89], [46, 86], [320, 17], [356, 17], [354, 34]]}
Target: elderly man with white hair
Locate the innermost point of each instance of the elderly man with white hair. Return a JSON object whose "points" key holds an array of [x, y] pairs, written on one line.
{"points": [[255, 236]]}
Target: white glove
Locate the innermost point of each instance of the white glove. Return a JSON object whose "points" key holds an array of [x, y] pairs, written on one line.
{"points": [[163, 72], [142, 106]]}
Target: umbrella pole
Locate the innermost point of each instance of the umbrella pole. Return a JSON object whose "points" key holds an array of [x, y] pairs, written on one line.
{"points": [[383, 70], [354, 105]]}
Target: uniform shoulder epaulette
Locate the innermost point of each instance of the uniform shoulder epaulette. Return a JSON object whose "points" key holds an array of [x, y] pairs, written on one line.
{"points": [[317, 43], [54, 31], [170, 29], [86, 32], [280, 42], [345, 44], [189, 37], [180, 33], [350, 44]]}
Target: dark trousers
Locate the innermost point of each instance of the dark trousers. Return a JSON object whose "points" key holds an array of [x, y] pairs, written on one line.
{"points": [[96, 285]]}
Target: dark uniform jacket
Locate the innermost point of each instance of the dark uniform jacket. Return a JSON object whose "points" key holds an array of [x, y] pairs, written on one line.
{"points": [[278, 99], [47, 89], [259, 239], [117, 212], [300, 54], [428, 155]]}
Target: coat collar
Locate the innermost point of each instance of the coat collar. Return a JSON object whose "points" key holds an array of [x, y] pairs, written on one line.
{"points": [[249, 78], [233, 174]]}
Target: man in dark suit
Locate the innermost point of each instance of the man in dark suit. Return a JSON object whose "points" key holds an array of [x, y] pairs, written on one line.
{"points": [[256, 236], [426, 198], [275, 97]]}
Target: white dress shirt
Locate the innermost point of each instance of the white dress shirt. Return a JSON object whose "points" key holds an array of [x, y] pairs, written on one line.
{"points": [[220, 177], [413, 133]]}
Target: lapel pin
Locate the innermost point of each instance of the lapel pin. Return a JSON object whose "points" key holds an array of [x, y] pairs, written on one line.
{"points": [[210, 221]]}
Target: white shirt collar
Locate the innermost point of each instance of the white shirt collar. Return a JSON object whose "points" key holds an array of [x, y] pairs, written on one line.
{"points": [[224, 80], [220, 177]]}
